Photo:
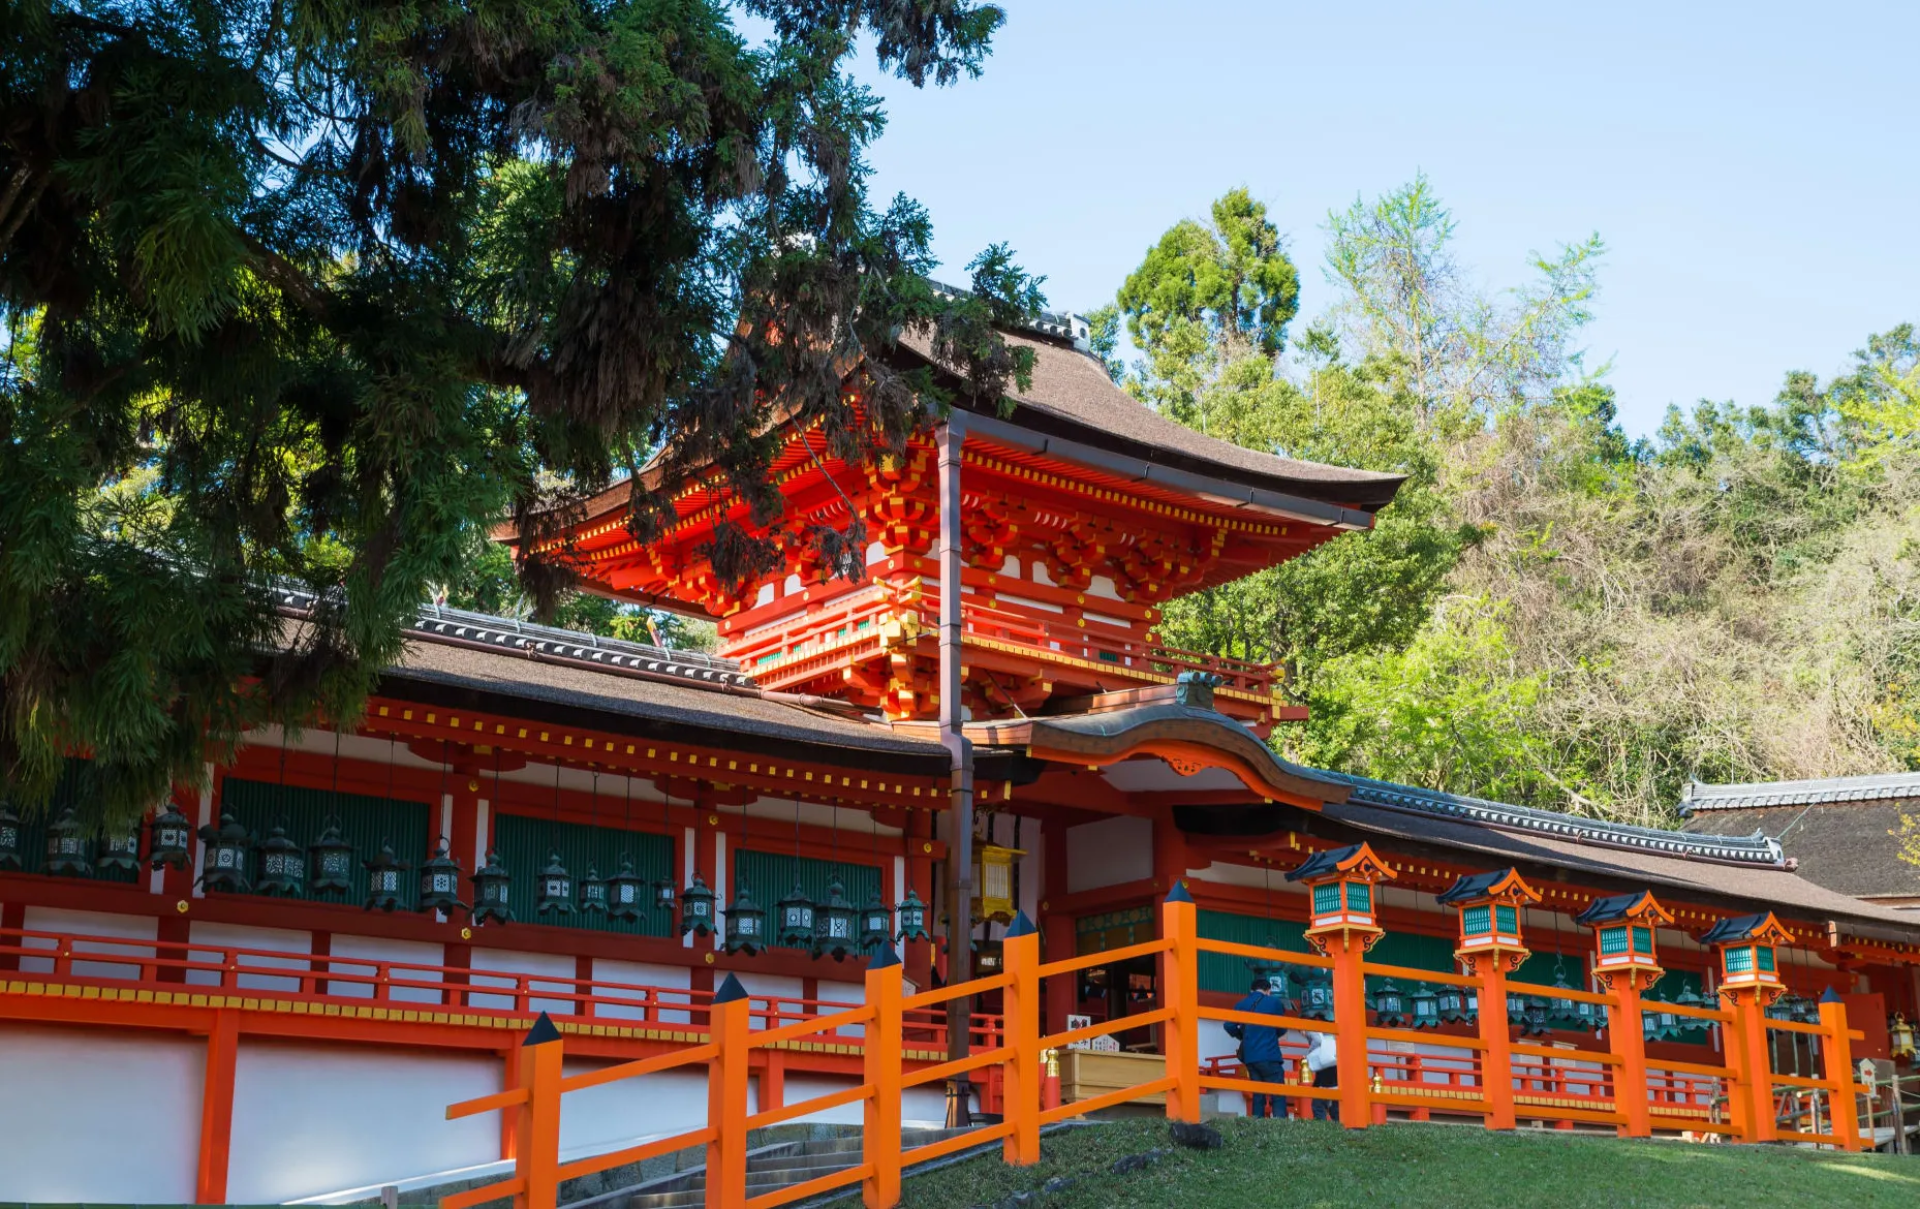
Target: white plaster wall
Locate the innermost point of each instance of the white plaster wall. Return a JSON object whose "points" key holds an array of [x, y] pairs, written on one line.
{"points": [[239, 936], [87, 923], [636, 973], [614, 1115], [806, 1087], [1109, 852], [379, 948], [99, 1116], [309, 1120], [849, 995], [759, 985], [548, 965]]}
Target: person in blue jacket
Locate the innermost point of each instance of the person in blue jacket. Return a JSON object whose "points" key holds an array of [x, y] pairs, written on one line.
{"points": [[1260, 1046]]}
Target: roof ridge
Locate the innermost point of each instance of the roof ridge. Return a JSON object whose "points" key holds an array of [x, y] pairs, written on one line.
{"points": [[1737, 795], [438, 623], [1757, 849]]}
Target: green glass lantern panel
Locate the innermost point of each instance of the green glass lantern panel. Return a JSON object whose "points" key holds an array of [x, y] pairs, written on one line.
{"points": [[1613, 941], [1763, 954], [1643, 940], [1360, 897], [1507, 919], [1477, 920], [1740, 961], [1326, 899]]}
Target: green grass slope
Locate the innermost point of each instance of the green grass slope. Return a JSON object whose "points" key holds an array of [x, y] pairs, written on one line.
{"points": [[1266, 1164]]}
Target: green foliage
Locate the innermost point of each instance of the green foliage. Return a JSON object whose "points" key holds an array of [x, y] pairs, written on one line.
{"points": [[314, 293]]}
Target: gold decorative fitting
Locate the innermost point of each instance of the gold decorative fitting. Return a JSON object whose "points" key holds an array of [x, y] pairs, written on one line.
{"points": [[181, 906], [709, 959], [466, 934]]}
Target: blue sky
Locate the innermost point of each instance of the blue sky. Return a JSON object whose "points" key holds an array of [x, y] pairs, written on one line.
{"points": [[1753, 167]]}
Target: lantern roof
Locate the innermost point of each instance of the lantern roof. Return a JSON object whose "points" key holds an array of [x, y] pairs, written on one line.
{"points": [[1639, 906], [1356, 860], [1736, 929], [1482, 887]]}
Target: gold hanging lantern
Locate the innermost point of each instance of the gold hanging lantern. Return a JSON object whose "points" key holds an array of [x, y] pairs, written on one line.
{"points": [[993, 882]]}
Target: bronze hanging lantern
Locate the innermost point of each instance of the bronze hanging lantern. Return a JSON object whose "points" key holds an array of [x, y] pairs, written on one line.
{"points": [[490, 887], [224, 865], [627, 893], [66, 847], [838, 921], [120, 849], [331, 859], [913, 918], [282, 868], [170, 839], [440, 883], [556, 888], [746, 923], [593, 892], [796, 915], [696, 909], [10, 836], [876, 924], [383, 880]]}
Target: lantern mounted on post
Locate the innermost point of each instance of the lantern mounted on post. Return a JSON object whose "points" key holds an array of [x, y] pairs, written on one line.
{"points": [[330, 858], [1746, 944], [1491, 919], [696, 909], [746, 923], [1624, 940], [224, 867], [1341, 885], [282, 870], [169, 839], [490, 891]]}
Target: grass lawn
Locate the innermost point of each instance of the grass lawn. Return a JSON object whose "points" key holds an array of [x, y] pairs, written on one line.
{"points": [[1299, 1163]]}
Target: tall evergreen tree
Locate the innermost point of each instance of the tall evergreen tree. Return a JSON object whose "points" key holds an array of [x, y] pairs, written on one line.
{"points": [[305, 290]]}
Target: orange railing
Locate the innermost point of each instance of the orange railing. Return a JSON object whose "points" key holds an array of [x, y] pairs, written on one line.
{"points": [[1488, 1074]]}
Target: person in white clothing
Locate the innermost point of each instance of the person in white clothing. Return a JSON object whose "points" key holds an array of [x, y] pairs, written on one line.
{"points": [[1323, 1059]]}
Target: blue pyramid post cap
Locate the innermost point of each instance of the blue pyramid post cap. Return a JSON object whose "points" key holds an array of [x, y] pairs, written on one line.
{"points": [[1831, 997], [1021, 926], [883, 957], [543, 1032], [1179, 893], [729, 991]]}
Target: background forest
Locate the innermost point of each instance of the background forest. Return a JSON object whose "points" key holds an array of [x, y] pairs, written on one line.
{"points": [[1550, 613]]}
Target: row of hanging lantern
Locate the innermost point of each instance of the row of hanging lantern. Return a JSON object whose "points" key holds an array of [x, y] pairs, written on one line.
{"points": [[70, 850]]}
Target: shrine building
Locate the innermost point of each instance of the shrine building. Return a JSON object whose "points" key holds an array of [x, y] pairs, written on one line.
{"points": [[271, 990]]}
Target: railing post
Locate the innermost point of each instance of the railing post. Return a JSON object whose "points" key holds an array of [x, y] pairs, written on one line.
{"points": [[1627, 1041], [1180, 925], [880, 1139], [1837, 1049], [1349, 951], [1496, 1060], [1020, 1020], [1749, 1032], [536, 1152], [730, 1026]]}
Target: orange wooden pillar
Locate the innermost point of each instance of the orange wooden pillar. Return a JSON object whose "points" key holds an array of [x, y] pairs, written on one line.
{"points": [[1496, 1060], [1836, 1049], [1749, 1032], [216, 1109], [881, 1064], [536, 1157], [1180, 984], [1627, 1041], [727, 1098], [1021, 1074], [1349, 952]]}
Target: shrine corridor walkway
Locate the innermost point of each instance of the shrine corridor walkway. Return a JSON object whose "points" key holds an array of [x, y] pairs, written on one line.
{"points": [[1414, 1166]]}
